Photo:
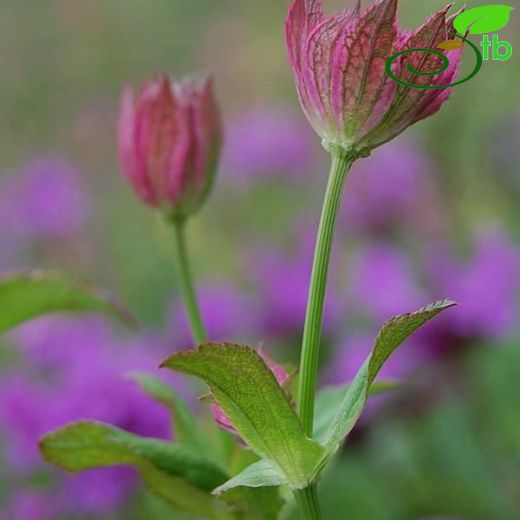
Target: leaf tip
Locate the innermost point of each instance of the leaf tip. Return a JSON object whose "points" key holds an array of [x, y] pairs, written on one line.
{"points": [[170, 361], [445, 304]]}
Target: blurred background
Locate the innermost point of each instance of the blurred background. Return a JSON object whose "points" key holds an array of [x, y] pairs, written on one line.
{"points": [[433, 214]]}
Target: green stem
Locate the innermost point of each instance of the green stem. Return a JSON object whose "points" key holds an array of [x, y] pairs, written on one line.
{"points": [[307, 500], [186, 285], [341, 163]]}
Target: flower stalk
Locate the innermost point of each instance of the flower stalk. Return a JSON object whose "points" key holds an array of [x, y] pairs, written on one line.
{"points": [[340, 166], [187, 288], [307, 500]]}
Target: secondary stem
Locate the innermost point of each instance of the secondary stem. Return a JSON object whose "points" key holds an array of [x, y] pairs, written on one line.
{"points": [[307, 500], [341, 163], [186, 285]]}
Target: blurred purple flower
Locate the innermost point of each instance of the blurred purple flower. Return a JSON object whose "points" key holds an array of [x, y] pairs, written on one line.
{"points": [[348, 358], [486, 286], [21, 420], [97, 491], [59, 345], [351, 354], [282, 280], [75, 369], [228, 313], [45, 198], [390, 188], [267, 143], [382, 282], [30, 505]]}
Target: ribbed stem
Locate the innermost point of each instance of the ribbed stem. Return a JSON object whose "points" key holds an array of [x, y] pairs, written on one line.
{"points": [[186, 285], [341, 163], [307, 500]]}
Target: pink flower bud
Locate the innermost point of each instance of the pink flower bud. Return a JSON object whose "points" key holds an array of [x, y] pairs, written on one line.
{"points": [[339, 64], [169, 140], [279, 373]]}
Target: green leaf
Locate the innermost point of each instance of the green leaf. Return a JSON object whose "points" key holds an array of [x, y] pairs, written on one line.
{"points": [[187, 430], [183, 496], [259, 474], [249, 394], [328, 399], [85, 444], [254, 493], [481, 20], [27, 295], [394, 332], [261, 503]]}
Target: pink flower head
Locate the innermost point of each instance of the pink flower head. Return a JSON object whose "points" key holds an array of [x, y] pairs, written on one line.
{"points": [[169, 140], [279, 373], [340, 67]]}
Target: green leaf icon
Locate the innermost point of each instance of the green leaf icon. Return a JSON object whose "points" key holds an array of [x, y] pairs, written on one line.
{"points": [[480, 20]]}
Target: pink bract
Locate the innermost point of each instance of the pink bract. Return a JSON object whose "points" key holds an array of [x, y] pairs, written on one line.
{"points": [[339, 65], [169, 138]]}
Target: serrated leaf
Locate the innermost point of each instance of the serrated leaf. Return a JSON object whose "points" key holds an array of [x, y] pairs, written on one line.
{"points": [[394, 332], [247, 391], [481, 20], [259, 474], [88, 444], [329, 398], [186, 427], [27, 295]]}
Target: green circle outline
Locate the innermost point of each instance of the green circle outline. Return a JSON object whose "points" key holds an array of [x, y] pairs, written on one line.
{"points": [[474, 72]]}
